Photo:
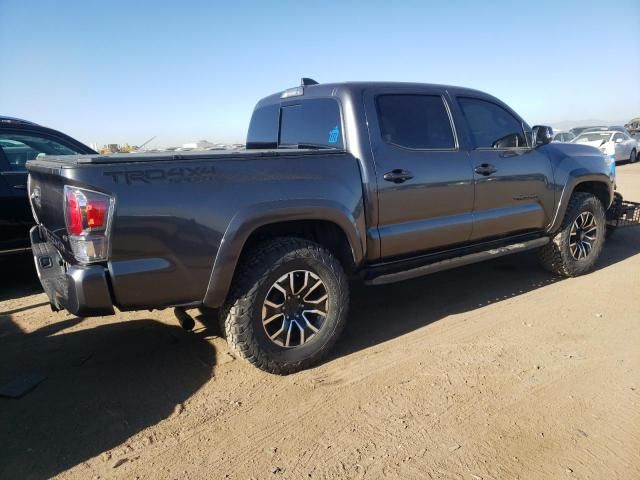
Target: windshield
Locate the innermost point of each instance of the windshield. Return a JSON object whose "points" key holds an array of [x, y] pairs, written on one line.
{"points": [[594, 137]]}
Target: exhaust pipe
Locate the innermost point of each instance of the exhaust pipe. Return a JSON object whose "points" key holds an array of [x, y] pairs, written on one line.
{"points": [[185, 320]]}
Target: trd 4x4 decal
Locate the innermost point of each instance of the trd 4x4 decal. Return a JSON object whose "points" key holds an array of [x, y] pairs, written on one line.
{"points": [[171, 175]]}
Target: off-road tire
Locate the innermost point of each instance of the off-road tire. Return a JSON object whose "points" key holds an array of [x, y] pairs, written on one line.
{"points": [[242, 313], [556, 255]]}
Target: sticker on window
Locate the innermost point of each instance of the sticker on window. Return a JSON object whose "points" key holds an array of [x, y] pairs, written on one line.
{"points": [[333, 135]]}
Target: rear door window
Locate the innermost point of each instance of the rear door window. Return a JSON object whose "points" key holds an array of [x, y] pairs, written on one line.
{"points": [[314, 122], [415, 121], [491, 126]]}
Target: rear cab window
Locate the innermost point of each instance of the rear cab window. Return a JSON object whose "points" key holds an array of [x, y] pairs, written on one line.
{"points": [[263, 128], [314, 122]]}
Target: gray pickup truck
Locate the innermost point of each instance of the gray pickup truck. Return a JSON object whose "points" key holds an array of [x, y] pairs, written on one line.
{"points": [[377, 182]]}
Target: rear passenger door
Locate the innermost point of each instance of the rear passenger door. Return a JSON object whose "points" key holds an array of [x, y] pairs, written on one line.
{"points": [[513, 181], [424, 180]]}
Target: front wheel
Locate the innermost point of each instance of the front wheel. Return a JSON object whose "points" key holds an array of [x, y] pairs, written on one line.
{"points": [[287, 306], [575, 248]]}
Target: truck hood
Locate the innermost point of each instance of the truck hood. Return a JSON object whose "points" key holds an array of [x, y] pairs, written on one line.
{"points": [[588, 150], [581, 158]]}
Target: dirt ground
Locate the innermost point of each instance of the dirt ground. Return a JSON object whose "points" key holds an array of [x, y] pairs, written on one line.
{"points": [[493, 371]]}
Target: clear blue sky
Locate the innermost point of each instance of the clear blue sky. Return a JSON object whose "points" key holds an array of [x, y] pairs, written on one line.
{"points": [[116, 71]]}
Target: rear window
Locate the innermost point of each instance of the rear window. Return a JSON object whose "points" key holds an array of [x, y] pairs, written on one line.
{"points": [[593, 137], [415, 121], [311, 122], [314, 122]]}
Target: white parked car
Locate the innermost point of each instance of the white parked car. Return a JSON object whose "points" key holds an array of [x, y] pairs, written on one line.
{"points": [[617, 145]]}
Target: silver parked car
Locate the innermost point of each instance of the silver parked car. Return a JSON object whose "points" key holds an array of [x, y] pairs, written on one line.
{"points": [[617, 145]]}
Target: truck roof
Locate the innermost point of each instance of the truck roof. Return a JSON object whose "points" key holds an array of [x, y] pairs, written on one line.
{"points": [[354, 89]]}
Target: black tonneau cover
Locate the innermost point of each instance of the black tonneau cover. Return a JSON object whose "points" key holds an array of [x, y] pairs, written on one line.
{"points": [[116, 158]]}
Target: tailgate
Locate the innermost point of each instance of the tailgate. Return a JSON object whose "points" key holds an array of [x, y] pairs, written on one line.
{"points": [[46, 195]]}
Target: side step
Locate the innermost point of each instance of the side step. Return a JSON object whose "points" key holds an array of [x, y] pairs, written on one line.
{"points": [[448, 263]]}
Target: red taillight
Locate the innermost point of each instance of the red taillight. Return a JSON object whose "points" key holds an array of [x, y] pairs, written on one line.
{"points": [[96, 210], [74, 213], [86, 211], [87, 218]]}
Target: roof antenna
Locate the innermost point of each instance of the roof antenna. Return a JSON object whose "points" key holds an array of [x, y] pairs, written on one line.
{"points": [[308, 81]]}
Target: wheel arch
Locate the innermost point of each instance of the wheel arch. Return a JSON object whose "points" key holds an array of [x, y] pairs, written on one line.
{"points": [[325, 222], [598, 185]]}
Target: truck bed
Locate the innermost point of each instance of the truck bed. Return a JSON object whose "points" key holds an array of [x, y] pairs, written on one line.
{"points": [[173, 212]]}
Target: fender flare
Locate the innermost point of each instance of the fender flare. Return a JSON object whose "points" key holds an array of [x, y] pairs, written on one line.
{"points": [[247, 221], [575, 178]]}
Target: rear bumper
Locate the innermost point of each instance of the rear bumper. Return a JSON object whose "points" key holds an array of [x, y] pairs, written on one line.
{"points": [[623, 213], [81, 290]]}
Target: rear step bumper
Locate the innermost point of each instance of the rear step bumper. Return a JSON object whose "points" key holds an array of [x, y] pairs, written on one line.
{"points": [[81, 290], [457, 261], [623, 213]]}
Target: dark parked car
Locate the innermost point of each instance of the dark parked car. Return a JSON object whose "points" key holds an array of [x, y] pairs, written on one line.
{"points": [[373, 181], [21, 141]]}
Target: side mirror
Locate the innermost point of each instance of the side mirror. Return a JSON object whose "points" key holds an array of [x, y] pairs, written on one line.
{"points": [[542, 135], [618, 140], [513, 140]]}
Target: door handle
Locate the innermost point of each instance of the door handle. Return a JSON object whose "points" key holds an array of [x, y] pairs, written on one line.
{"points": [[20, 187], [485, 169], [398, 176]]}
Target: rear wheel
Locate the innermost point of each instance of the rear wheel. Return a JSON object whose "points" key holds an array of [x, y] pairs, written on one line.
{"points": [[575, 248], [288, 305], [634, 156]]}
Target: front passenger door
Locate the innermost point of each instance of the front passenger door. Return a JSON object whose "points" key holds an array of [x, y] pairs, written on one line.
{"points": [[513, 181]]}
